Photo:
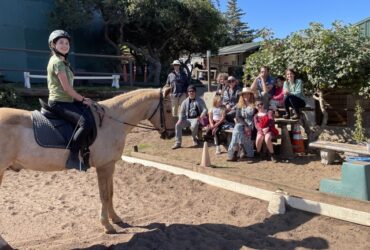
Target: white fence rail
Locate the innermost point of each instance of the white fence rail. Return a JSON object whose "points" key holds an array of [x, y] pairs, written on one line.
{"points": [[114, 78]]}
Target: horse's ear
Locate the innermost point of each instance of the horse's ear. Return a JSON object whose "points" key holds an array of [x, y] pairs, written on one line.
{"points": [[166, 91]]}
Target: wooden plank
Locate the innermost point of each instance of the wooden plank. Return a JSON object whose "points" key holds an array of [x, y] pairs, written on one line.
{"points": [[340, 147]]}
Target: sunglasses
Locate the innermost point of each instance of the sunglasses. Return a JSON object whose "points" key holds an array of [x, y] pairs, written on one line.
{"points": [[259, 104], [191, 91]]}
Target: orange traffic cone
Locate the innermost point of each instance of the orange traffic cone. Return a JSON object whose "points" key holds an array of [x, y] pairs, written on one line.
{"points": [[206, 161], [297, 141]]}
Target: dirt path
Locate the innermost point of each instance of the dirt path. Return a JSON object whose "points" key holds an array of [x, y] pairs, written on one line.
{"points": [[60, 210]]}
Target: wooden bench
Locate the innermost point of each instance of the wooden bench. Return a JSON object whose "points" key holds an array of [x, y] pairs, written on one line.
{"points": [[114, 78], [328, 150]]}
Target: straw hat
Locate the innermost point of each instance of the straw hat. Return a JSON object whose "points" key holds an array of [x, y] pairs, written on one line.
{"points": [[246, 90]]}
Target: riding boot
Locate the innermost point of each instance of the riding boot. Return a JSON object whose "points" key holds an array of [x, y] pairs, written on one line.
{"points": [[74, 162]]}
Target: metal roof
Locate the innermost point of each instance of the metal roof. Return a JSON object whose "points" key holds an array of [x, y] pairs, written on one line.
{"points": [[362, 21], [238, 48]]}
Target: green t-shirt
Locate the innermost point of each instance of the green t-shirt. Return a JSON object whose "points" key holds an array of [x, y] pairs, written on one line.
{"points": [[56, 92]]}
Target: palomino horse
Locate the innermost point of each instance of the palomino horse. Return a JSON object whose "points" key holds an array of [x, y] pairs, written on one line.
{"points": [[19, 149]]}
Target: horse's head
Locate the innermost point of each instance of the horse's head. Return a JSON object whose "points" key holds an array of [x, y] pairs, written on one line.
{"points": [[162, 118]]}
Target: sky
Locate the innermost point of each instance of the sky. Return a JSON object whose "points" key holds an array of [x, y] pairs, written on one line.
{"points": [[286, 16]]}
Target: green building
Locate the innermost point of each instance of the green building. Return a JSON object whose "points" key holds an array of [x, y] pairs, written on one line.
{"points": [[364, 26], [24, 24]]}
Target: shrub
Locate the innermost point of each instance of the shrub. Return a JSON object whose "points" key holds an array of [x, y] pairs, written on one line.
{"points": [[9, 98]]}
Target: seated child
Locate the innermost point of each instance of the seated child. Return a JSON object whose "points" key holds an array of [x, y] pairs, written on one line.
{"points": [[277, 100], [216, 119]]}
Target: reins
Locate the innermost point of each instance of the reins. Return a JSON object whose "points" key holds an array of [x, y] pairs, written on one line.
{"points": [[103, 114]]}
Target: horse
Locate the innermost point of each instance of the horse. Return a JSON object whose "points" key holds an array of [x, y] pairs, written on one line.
{"points": [[19, 149]]}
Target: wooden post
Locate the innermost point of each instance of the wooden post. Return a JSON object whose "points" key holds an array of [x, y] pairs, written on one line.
{"points": [[130, 73], [209, 70], [145, 72], [124, 73], [134, 77]]}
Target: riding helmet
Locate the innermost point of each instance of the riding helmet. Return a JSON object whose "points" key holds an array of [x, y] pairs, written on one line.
{"points": [[56, 34]]}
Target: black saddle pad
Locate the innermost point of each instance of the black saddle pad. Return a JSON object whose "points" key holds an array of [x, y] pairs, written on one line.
{"points": [[55, 132], [51, 133]]}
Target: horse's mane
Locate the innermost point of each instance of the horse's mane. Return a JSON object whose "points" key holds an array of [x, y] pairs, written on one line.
{"points": [[132, 98]]}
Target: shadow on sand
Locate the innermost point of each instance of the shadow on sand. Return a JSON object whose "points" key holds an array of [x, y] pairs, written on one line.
{"points": [[223, 236]]}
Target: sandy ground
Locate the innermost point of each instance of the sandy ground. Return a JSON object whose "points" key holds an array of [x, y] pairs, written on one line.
{"points": [[60, 210]]}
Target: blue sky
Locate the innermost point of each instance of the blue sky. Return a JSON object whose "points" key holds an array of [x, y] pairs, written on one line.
{"points": [[286, 16]]}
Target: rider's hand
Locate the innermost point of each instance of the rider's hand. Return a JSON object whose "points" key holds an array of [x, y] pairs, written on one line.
{"points": [[87, 101]]}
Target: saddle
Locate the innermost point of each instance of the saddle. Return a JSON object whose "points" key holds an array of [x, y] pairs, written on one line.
{"points": [[51, 131]]}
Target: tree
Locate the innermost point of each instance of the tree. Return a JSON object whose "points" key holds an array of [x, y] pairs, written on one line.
{"points": [[333, 58], [238, 31], [157, 30]]}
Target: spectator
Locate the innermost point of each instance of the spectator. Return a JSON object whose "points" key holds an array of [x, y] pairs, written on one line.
{"points": [[293, 91], [192, 109], [216, 120], [241, 140], [264, 83], [178, 81], [277, 100], [221, 83], [230, 98], [266, 130]]}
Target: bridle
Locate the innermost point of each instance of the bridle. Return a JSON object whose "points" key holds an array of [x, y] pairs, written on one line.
{"points": [[161, 113], [162, 130]]}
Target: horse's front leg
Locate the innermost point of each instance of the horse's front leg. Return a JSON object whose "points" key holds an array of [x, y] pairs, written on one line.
{"points": [[105, 181], [1, 176]]}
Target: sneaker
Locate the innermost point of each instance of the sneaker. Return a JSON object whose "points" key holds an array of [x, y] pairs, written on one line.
{"points": [[273, 158], [234, 158], [176, 146], [195, 142], [218, 150]]}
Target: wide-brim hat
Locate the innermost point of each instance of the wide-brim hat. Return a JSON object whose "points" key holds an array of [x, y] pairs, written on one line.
{"points": [[176, 62], [246, 90]]}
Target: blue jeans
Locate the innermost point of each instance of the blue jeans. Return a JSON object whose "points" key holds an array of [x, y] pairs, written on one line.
{"points": [[240, 141], [192, 123]]}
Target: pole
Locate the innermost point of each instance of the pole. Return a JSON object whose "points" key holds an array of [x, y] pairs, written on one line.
{"points": [[209, 70], [130, 74]]}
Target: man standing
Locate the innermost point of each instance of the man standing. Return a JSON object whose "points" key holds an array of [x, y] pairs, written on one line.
{"points": [[264, 83], [192, 109], [178, 81]]}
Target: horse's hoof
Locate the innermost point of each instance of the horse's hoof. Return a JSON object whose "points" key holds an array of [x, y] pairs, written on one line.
{"points": [[111, 231], [117, 220]]}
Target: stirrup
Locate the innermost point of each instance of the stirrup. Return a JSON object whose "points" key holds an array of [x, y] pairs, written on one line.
{"points": [[85, 155], [73, 162]]}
